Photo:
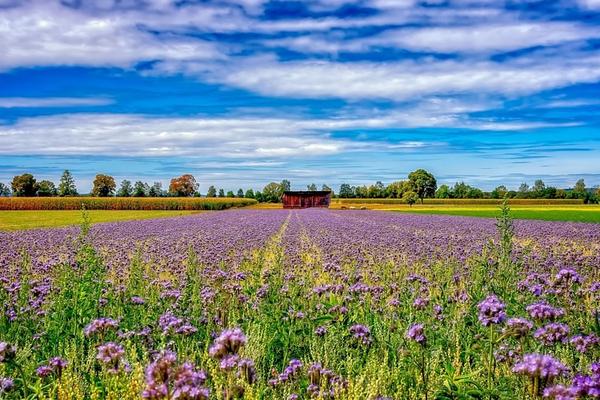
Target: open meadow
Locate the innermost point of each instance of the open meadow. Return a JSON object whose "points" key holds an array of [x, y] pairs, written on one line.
{"points": [[301, 304]]}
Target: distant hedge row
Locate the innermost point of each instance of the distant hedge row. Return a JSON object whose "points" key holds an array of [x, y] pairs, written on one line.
{"points": [[122, 203], [555, 202]]}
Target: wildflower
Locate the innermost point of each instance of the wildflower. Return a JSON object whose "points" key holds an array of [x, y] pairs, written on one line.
{"points": [[7, 352], [6, 384], [247, 370], [552, 333], [559, 392], [518, 327], [543, 311], [420, 303], [111, 355], [164, 377], [291, 371], [583, 343], [100, 326], [362, 333], [540, 366], [321, 331], [505, 354], [137, 300], [228, 342], [491, 311], [43, 371], [416, 332], [54, 367]]}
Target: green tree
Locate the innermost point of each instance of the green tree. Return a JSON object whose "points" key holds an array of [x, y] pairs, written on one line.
{"points": [[249, 194], [272, 192], [212, 191], [259, 196], [126, 189], [4, 190], [579, 189], [46, 189], [104, 185], [155, 190], [66, 186], [140, 189], [312, 186], [538, 186], [240, 193], [423, 183], [230, 193], [362, 192], [286, 186], [346, 191], [499, 192], [24, 185], [410, 197], [443, 192], [221, 193]]}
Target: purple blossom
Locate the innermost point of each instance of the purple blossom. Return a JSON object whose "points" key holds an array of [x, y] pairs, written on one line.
{"points": [[6, 384], [362, 333], [416, 332], [491, 311], [111, 355], [559, 392], [583, 343], [543, 311], [552, 333], [229, 342], [7, 352], [100, 326], [540, 366], [518, 327], [167, 380]]}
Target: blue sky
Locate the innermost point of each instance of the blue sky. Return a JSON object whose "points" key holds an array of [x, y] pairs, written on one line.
{"points": [[243, 92]]}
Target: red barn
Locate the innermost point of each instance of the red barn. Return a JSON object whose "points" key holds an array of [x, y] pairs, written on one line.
{"points": [[306, 199]]}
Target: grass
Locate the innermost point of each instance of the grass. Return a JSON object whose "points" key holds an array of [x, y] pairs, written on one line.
{"points": [[579, 213], [16, 220]]}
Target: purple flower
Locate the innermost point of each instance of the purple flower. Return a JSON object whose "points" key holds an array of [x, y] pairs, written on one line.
{"points": [[7, 352], [491, 311], [321, 331], [228, 342], [54, 366], [111, 355], [247, 370], [543, 311], [583, 343], [137, 300], [518, 327], [416, 332], [100, 326], [559, 392], [6, 384], [362, 333], [44, 371], [166, 380], [540, 366], [290, 372], [552, 333]]}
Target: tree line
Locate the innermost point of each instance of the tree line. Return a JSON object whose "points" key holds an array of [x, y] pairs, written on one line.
{"points": [[418, 185]]}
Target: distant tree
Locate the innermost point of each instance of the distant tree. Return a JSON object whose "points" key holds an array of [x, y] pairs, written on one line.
{"points": [[362, 191], [272, 193], [346, 191], [410, 197], [561, 194], [221, 193], [377, 190], [104, 185], [24, 185], [155, 190], [523, 188], [66, 186], [230, 193], [312, 186], [4, 190], [240, 193], [499, 192], [259, 196], [538, 186], [579, 189], [474, 193], [423, 182], [183, 186], [46, 189], [460, 190], [140, 189], [249, 194], [285, 186], [212, 191], [443, 192], [126, 189]]}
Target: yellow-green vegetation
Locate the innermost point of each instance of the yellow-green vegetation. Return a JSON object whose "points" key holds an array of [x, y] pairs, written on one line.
{"points": [[15, 220]]}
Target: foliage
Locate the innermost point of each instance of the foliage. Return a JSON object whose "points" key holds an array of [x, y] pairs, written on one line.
{"points": [[141, 189], [126, 190], [272, 193], [423, 183], [24, 185], [212, 191], [183, 186], [4, 190], [104, 185], [46, 188], [410, 197], [67, 187]]}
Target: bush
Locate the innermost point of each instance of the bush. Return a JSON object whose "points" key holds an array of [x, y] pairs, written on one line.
{"points": [[121, 203]]}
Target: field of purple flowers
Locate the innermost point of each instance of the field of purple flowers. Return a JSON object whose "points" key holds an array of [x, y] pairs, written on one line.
{"points": [[307, 304]]}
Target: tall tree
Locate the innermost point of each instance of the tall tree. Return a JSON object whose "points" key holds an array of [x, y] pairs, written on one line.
{"points": [[4, 190], [212, 191], [286, 186], [24, 185], [240, 192], [183, 186], [538, 186], [126, 189], [423, 183], [249, 194], [272, 192], [230, 193], [578, 190], [221, 193], [443, 192], [155, 190], [140, 189], [312, 186], [46, 189], [66, 186], [346, 191], [104, 185]]}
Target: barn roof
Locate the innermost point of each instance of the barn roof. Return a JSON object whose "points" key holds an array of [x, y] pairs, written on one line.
{"points": [[307, 192]]}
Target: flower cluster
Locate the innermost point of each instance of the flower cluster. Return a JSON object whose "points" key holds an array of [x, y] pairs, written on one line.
{"points": [[491, 311], [552, 333], [324, 383], [111, 355], [290, 372], [100, 326], [54, 367], [7, 352], [540, 366], [361, 333], [518, 327], [543, 311], [228, 342], [416, 332], [165, 379]]}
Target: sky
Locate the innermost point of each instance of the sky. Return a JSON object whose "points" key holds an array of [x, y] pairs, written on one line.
{"points": [[243, 92]]}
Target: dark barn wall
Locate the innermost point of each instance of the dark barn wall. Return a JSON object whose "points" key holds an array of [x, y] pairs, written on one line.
{"points": [[306, 199]]}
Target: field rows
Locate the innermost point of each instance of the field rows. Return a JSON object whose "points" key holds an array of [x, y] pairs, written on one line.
{"points": [[311, 303]]}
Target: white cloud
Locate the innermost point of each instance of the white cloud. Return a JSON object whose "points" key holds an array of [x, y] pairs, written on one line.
{"points": [[591, 4], [24, 102]]}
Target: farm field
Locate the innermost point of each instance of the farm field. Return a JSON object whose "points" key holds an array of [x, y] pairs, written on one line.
{"points": [[302, 304], [14, 220]]}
